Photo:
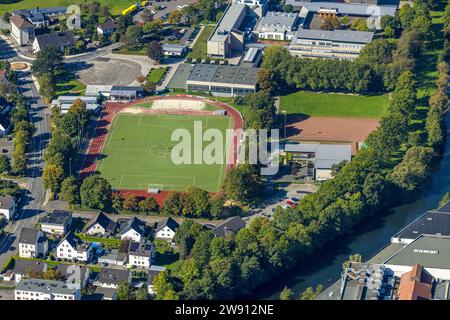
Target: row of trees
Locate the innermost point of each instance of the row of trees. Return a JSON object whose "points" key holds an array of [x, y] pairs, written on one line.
{"points": [[47, 67], [386, 169]]}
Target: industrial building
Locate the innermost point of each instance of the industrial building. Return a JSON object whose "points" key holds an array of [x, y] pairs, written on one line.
{"points": [[65, 102], [277, 25], [337, 44]]}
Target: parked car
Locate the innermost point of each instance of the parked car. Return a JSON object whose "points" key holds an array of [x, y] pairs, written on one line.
{"points": [[285, 206], [295, 200]]}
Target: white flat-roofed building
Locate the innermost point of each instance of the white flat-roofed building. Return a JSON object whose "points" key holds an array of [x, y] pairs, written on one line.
{"points": [[277, 25], [65, 102], [57, 222], [140, 254], [98, 90], [337, 44], [37, 289], [227, 37], [174, 50]]}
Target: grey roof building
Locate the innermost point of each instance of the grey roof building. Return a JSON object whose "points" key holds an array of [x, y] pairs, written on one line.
{"points": [[56, 222], [337, 44], [29, 236], [38, 289], [175, 50], [7, 207], [134, 224], [167, 222], [112, 277], [230, 226], [23, 267], [101, 225], [277, 25], [126, 92], [60, 40], [431, 223], [430, 251]]}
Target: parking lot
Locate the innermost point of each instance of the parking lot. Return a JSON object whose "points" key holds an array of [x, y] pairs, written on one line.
{"points": [[169, 6]]}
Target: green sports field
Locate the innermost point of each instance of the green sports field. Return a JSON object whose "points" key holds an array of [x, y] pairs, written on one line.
{"points": [[334, 105], [137, 153]]}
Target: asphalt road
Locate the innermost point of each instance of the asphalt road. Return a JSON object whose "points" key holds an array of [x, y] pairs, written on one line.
{"points": [[31, 203]]}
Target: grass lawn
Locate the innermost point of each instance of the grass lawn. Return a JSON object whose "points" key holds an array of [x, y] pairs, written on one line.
{"points": [[199, 50], [334, 105], [115, 243], [139, 50], [137, 153], [145, 105], [155, 75], [115, 6], [72, 87]]}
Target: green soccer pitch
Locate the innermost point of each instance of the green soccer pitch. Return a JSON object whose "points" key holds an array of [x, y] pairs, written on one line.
{"points": [[137, 153]]}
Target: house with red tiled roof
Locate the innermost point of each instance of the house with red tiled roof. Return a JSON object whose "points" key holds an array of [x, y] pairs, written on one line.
{"points": [[415, 285]]}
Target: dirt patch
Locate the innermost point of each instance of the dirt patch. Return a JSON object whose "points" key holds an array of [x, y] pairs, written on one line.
{"points": [[331, 129], [18, 66]]}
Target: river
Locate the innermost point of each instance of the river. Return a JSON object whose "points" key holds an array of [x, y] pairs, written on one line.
{"points": [[325, 266]]}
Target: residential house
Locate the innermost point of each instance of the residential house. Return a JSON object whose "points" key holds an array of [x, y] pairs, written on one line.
{"points": [[22, 30], [152, 273], [60, 40], [57, 222], [166, 229], [132, 229], [230, 226], [101, 226], [107, 27], [112, 278], [41, 17], [76, 277], [113, 257], [32, 244], [25, 269], [416, 284], [37, 289], [337, 44], [7, 207], [73, 248], [140, 254]]}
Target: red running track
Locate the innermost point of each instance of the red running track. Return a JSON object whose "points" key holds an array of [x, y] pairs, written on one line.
{"points": [[107, 116]]}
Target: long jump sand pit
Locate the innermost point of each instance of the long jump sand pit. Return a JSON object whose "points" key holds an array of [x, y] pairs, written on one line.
{"points": [[330, 129], [177, 104]]}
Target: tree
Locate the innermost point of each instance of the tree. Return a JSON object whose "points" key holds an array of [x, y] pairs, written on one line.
{"points": [[131, 203], [140, 78], [444, 200], [406, 16], [266, 80], [52, 177], [96, 192], [149, 205], [310, 293], [5, 164], [172, 204], [141, 294], [288, 8], [356, 257], [6, 16], [331, 23], [134, 34], [359, 25], [150, 87], [243, 184], [286, 294], [117, 202], [175, 17], [70, 190], [48, 61], [154, 51], [124, 291]]}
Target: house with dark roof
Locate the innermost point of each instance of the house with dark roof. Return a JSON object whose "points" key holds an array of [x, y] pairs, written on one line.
{"points": [[102, 226], [22, 30], [416, 284], [230, 226], [72, 248], [112, 278], [41, 17], [57, 222], [133, 229], [32, 243], [107, 27], [5, 125], [7, 207], [166, 229], [140, 254], [60, 40], [23, 268]]}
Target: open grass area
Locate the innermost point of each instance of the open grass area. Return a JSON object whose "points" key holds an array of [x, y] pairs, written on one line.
{"points": [[155, 75], [115, 6], [137, 153], [199, 50], [113, 243], [334, 105], [138, 49], [72, 87]]}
